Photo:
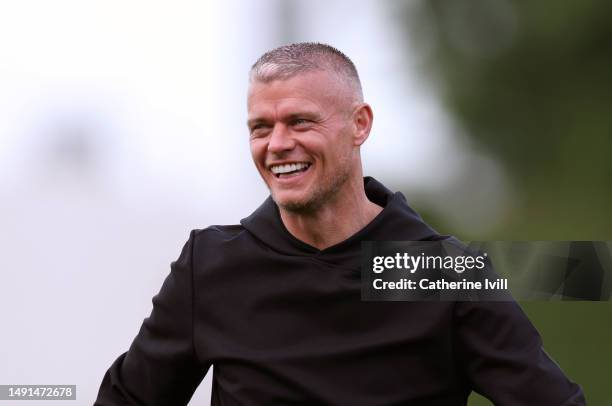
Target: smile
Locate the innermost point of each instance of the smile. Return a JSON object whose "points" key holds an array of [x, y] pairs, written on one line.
{"points": [[290, 169]]}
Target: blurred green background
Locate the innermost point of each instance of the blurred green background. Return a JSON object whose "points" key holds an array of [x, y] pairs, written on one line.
{"points": [[528, 83]]}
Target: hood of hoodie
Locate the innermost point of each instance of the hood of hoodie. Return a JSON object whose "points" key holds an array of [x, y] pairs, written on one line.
{"points": [[396, 222]]}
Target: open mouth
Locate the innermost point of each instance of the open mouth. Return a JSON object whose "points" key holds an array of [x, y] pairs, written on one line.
{"points": [[289, 170]]}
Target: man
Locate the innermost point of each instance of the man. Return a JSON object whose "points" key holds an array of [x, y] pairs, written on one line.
{"points": [[274, 303]]}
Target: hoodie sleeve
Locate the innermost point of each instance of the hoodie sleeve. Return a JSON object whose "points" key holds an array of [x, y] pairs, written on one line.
{"points": [[160, 367], [501, 353]]}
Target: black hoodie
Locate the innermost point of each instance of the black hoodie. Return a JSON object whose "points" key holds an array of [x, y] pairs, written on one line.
{"points": [[283, 324]]}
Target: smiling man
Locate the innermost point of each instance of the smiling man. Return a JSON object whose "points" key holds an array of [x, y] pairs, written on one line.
{"points": [[274, 303], [306, 126]]}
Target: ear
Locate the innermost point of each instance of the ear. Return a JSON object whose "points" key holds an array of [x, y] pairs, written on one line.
{"points": [[362, 122]]}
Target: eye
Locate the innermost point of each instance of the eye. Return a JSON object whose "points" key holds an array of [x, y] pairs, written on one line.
{"points": [[300, 122], [258, 130]]}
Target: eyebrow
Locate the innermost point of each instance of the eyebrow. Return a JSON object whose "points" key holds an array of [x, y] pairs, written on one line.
{"points": [[304, 114], [250, 123]]}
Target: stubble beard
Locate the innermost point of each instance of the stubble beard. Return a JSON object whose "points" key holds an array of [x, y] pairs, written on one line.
{"points": [[324, 192]]}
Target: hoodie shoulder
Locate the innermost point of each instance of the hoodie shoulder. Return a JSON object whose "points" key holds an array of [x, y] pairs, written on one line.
{"points": [[217, 244], [219, 232]]}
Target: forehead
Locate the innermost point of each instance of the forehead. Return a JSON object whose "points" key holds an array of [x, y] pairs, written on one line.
{"points": [[316, 90]]}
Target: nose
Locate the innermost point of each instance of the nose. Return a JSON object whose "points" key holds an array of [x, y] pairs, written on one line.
{"points": [[280, 139]]}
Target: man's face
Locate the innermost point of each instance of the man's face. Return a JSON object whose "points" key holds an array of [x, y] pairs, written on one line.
{"points": [[301, 138]]}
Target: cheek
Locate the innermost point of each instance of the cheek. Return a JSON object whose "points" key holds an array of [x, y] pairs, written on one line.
{"points": [[334, 152], [258, 152]]}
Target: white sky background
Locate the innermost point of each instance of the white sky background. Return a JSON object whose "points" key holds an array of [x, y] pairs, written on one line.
{"points": [[122, 127]]}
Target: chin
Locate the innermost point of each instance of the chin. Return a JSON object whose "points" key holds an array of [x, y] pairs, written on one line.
{"points": [[294, 203]]}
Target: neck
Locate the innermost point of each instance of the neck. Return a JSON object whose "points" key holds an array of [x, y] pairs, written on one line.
{"points": [[336, 220]]}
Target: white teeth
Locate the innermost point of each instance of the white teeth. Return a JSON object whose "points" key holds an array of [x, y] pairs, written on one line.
{"points": [[278, 169]]}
